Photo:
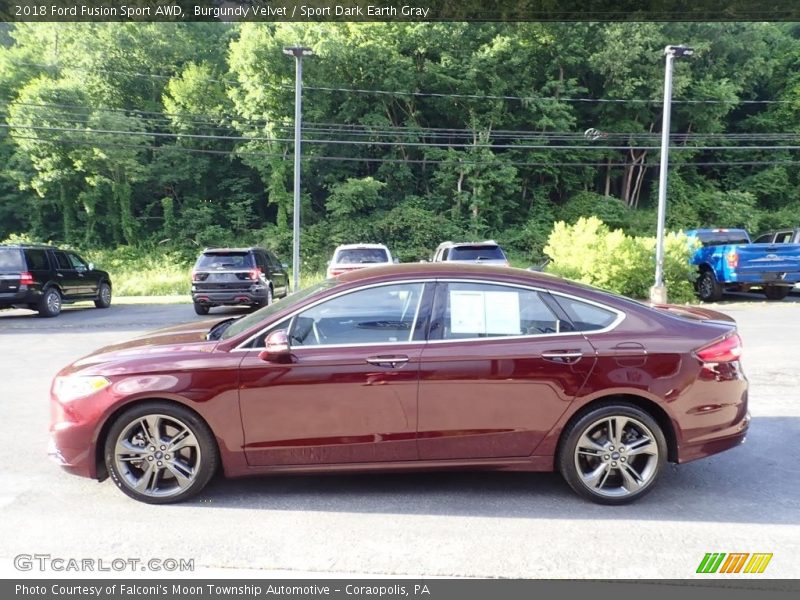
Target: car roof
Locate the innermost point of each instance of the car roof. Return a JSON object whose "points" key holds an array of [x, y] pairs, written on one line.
{"points": [[249, 249], [37, 246], [358, 246], [456, 244], [450, 270]]}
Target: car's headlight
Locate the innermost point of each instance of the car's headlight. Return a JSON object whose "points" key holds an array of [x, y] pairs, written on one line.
{"points": [[77, 386]]}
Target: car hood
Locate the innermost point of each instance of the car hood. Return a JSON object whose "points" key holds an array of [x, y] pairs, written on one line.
{"points": [[185, 338]]}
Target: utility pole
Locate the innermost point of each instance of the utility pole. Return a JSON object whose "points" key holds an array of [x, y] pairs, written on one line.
{"points": [[298, 52], [658, 293]]}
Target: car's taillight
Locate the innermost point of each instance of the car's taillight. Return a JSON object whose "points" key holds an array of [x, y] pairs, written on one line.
{"points": [[725, 350], [26, 278], [253, 274], [195, 276], [733, 259]]}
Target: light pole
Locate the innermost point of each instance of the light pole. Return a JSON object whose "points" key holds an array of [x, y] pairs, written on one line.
{"points": [[658, 293], [298, 52]]}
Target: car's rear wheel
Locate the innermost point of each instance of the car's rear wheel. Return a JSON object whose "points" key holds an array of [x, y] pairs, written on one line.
{"points": [[160, 453], [776, 292], [613, 454], [708, 288], [103, 296], [201, 309], [50, 303]]}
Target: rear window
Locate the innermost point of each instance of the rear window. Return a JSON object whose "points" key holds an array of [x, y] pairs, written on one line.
{"points": [[11, 260], [225, 260], [722, 238], [355, 256], [476, 253]]}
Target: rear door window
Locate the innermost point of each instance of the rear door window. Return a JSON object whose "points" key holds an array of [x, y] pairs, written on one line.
{"points": [[478, 310], [11, 260], [37, 260]]}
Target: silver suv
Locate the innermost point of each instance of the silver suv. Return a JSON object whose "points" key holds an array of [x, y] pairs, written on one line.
{"points": [[485, 253]]}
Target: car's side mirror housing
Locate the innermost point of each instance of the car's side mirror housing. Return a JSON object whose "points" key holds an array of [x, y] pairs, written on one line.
{"points": [[91, 266], [276, 347]]}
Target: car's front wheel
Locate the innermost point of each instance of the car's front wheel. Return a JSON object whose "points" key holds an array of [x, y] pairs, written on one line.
{"points": [[613, 454], [103, 296], [160, 453]]}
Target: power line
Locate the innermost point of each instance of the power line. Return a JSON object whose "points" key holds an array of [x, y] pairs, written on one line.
{"points": [[379, 92], [236, 153], [590, 148]]}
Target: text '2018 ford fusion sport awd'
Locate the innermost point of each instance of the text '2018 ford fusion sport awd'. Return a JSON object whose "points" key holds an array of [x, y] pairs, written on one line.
{"points": [[411, 367]]}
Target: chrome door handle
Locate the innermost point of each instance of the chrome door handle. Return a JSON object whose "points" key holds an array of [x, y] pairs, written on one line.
{"points": [[387, 361], [567, 356]]}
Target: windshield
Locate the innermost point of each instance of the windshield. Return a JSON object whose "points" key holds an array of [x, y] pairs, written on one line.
{"points": [[225, 260], [11, 260], [263, 314], [361, 255], [477, 253]]}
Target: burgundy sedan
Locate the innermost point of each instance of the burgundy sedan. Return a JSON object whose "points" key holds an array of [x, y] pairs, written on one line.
{"points": [[411, 367]]}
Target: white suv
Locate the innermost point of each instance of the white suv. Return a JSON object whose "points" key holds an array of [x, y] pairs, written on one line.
{"points": [[485, 253], [349, 257]]}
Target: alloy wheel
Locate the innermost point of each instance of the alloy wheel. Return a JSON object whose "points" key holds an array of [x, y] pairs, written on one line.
{"points": [[617, 456]]}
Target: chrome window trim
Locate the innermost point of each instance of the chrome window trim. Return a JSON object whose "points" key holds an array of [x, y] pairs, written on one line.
{"points": [[621, 315], [291, 316]]}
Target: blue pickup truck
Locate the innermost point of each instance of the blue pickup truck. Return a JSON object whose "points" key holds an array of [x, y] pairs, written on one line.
{"points": [[727, 260]]}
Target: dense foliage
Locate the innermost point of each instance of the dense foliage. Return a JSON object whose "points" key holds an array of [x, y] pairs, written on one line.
{"points": [[591, 252], [177, 136]]}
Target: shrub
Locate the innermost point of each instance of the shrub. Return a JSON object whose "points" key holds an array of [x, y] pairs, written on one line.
{"points": [[590, 252]]}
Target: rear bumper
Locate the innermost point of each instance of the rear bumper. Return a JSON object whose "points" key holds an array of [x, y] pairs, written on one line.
{"points": [[20, 297], [254, 295], [716, 445]]}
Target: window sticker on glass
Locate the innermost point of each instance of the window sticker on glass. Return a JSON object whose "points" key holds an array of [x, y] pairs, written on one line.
{"points": [[484, 313]]}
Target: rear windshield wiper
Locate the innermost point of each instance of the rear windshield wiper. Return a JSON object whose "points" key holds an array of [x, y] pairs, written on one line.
{"points": [[217, 330]]}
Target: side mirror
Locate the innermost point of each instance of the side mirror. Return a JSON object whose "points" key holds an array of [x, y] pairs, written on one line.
{"points": [[91, 266], [396, 261], [285, 265], [276, 347]]}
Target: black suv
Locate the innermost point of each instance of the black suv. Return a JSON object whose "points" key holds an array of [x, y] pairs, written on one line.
{"points": [[235, 276], [44, 278]]}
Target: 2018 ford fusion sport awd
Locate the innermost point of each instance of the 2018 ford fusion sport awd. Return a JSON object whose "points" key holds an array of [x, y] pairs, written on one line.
{"points": [[411, 367]]}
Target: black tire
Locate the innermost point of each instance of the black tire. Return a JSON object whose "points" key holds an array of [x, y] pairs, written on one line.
{"points": [[201, 309], [708, 288], [200, 460], [50, 303], [776, 292], [103, 296], [635, 464]]}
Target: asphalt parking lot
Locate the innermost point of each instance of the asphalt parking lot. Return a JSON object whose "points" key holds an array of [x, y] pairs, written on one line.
{"points": [[463, 524]]}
